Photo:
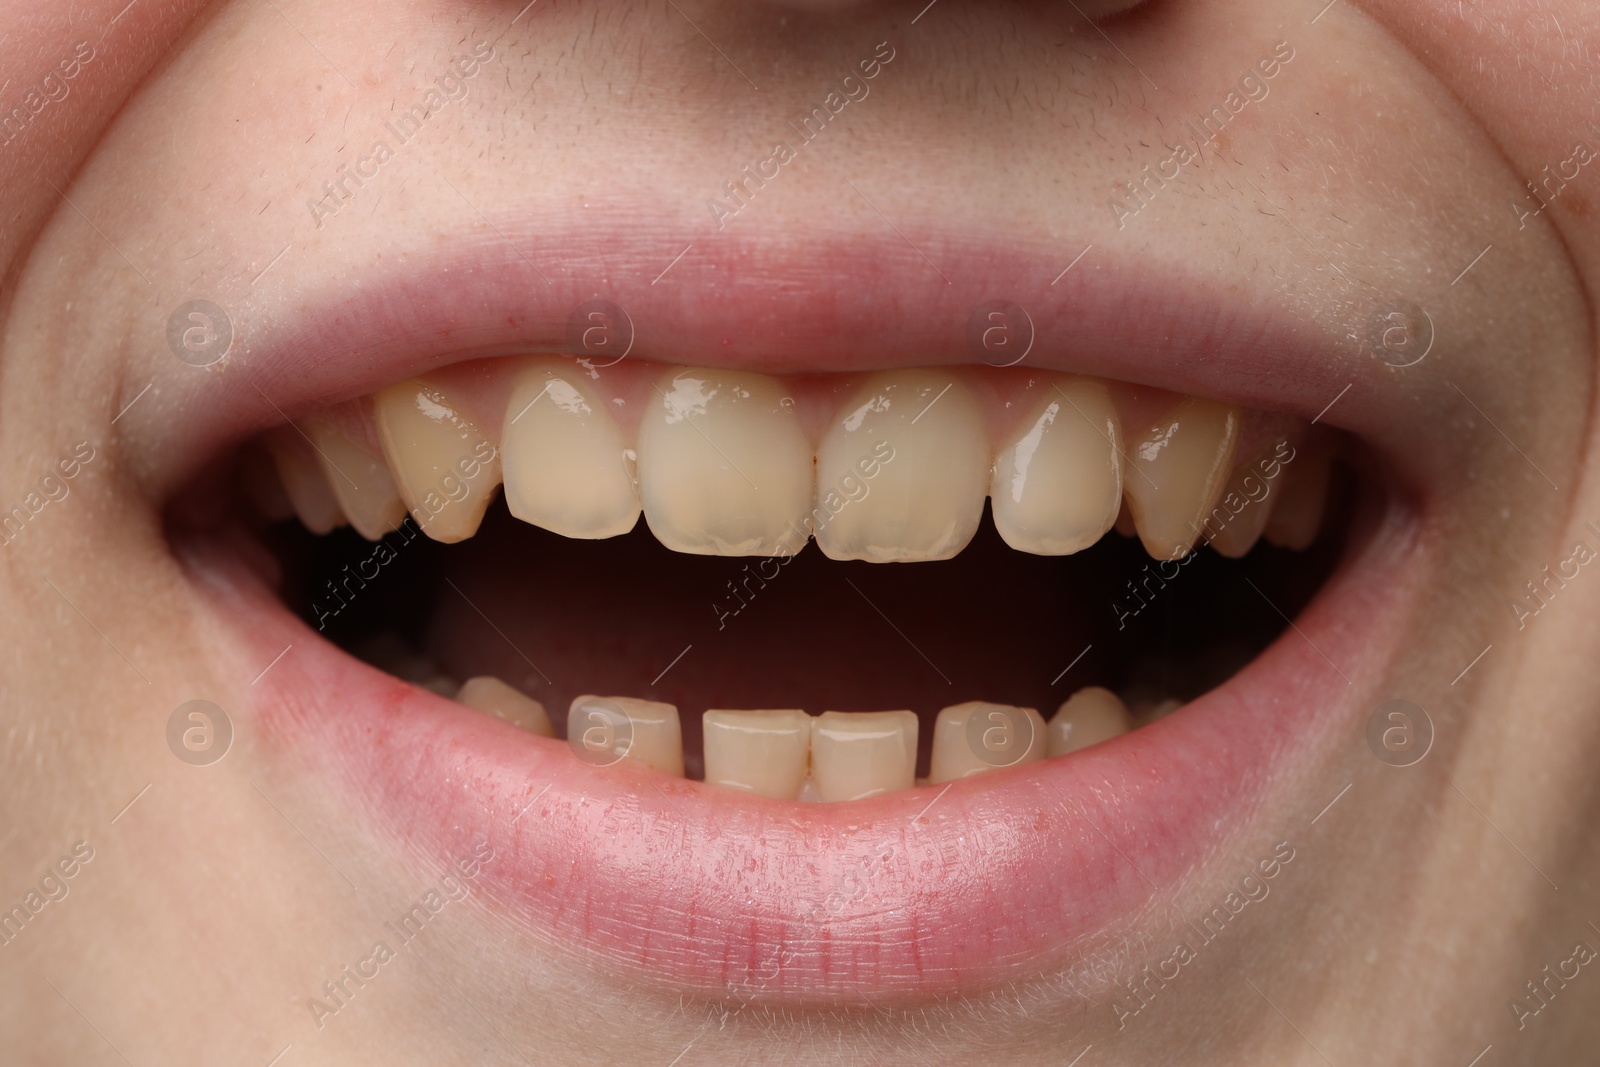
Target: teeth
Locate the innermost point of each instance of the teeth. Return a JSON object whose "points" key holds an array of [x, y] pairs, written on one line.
{"points": [[1176, 473], [1302, 497], [653, 736], [360, 480], [304, 482], [903, 474], [862, 754], [566, 465], [978, 737], [763, 752], [447, 471], [488, 693], [1088, 717], [1058, 488], [724, 467], [1235, 524]]}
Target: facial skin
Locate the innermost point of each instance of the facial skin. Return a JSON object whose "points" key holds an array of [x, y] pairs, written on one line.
{"points": [[1376, 164]]}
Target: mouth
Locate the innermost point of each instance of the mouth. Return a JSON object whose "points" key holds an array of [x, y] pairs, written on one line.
{"points": [[805, 684]]}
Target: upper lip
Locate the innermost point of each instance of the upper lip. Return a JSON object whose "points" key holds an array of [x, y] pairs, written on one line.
{"points": [[836, 305]]}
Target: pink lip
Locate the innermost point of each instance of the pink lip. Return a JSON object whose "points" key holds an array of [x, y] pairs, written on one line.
{"points": [[837, 304], [927, 893]]}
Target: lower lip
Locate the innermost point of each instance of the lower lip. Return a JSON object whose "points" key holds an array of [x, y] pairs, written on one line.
{"points": [[921, 894]]}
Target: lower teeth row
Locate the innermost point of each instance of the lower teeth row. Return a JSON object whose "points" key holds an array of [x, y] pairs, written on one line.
{"points": [[787, 754]]}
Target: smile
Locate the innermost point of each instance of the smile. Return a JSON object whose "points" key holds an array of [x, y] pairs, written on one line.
{"points": [[795, 683]]}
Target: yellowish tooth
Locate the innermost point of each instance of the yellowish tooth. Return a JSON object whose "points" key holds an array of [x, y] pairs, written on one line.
{"points": [[765, 752], [1088, 717], [903, 471], [307, 487], [567, 467], [360, 480], [1302, 497], [488, 693], [1058, 488], [861, 754], [978, 737], [1235, 524], [724, 466], [444, 467], [1177, 470], [648, 732]]}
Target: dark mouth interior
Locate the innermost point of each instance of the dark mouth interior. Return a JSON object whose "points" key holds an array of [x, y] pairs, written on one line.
{"points": [[559, 618]]}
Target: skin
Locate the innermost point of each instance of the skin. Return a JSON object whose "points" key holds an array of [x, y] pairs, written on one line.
{"points": [[1393, 146]]}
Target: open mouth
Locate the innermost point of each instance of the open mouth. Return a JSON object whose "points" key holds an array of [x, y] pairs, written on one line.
{"points": [[739, 634], [764, 677]]}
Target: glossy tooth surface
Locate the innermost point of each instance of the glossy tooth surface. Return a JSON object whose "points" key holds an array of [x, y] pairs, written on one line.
{"points": [[862, 754], [724, 466], [1235, 524], [1177, 470], [1088, 717], [903, 472], [307, 487], [446, 470], [488, 693], [655, 736], [567, 467], [1302, 497], [1058, 488], [978, 737], [765, 752], [360, 479]]}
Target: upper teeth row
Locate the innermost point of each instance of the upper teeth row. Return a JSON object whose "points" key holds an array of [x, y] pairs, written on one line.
{"points": [[789, 755], [895, 467]]}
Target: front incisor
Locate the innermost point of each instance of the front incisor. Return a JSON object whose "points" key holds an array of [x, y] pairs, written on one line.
{"points": [[923, 438], [724, 465], [862, 754], [567, 468], [764, 752]]}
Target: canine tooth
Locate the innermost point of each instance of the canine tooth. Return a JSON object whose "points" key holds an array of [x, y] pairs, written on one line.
{"points": [[1235, 524], [308, 489], [903, 472], [1296, 519], [654, 736], [862, 754], [1058, 488], [763, 752], [446, 470], [978, 737], [488, 693], [1176, 472], [360, 480], [566, 464], [724, 467], [1088, 717]]}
